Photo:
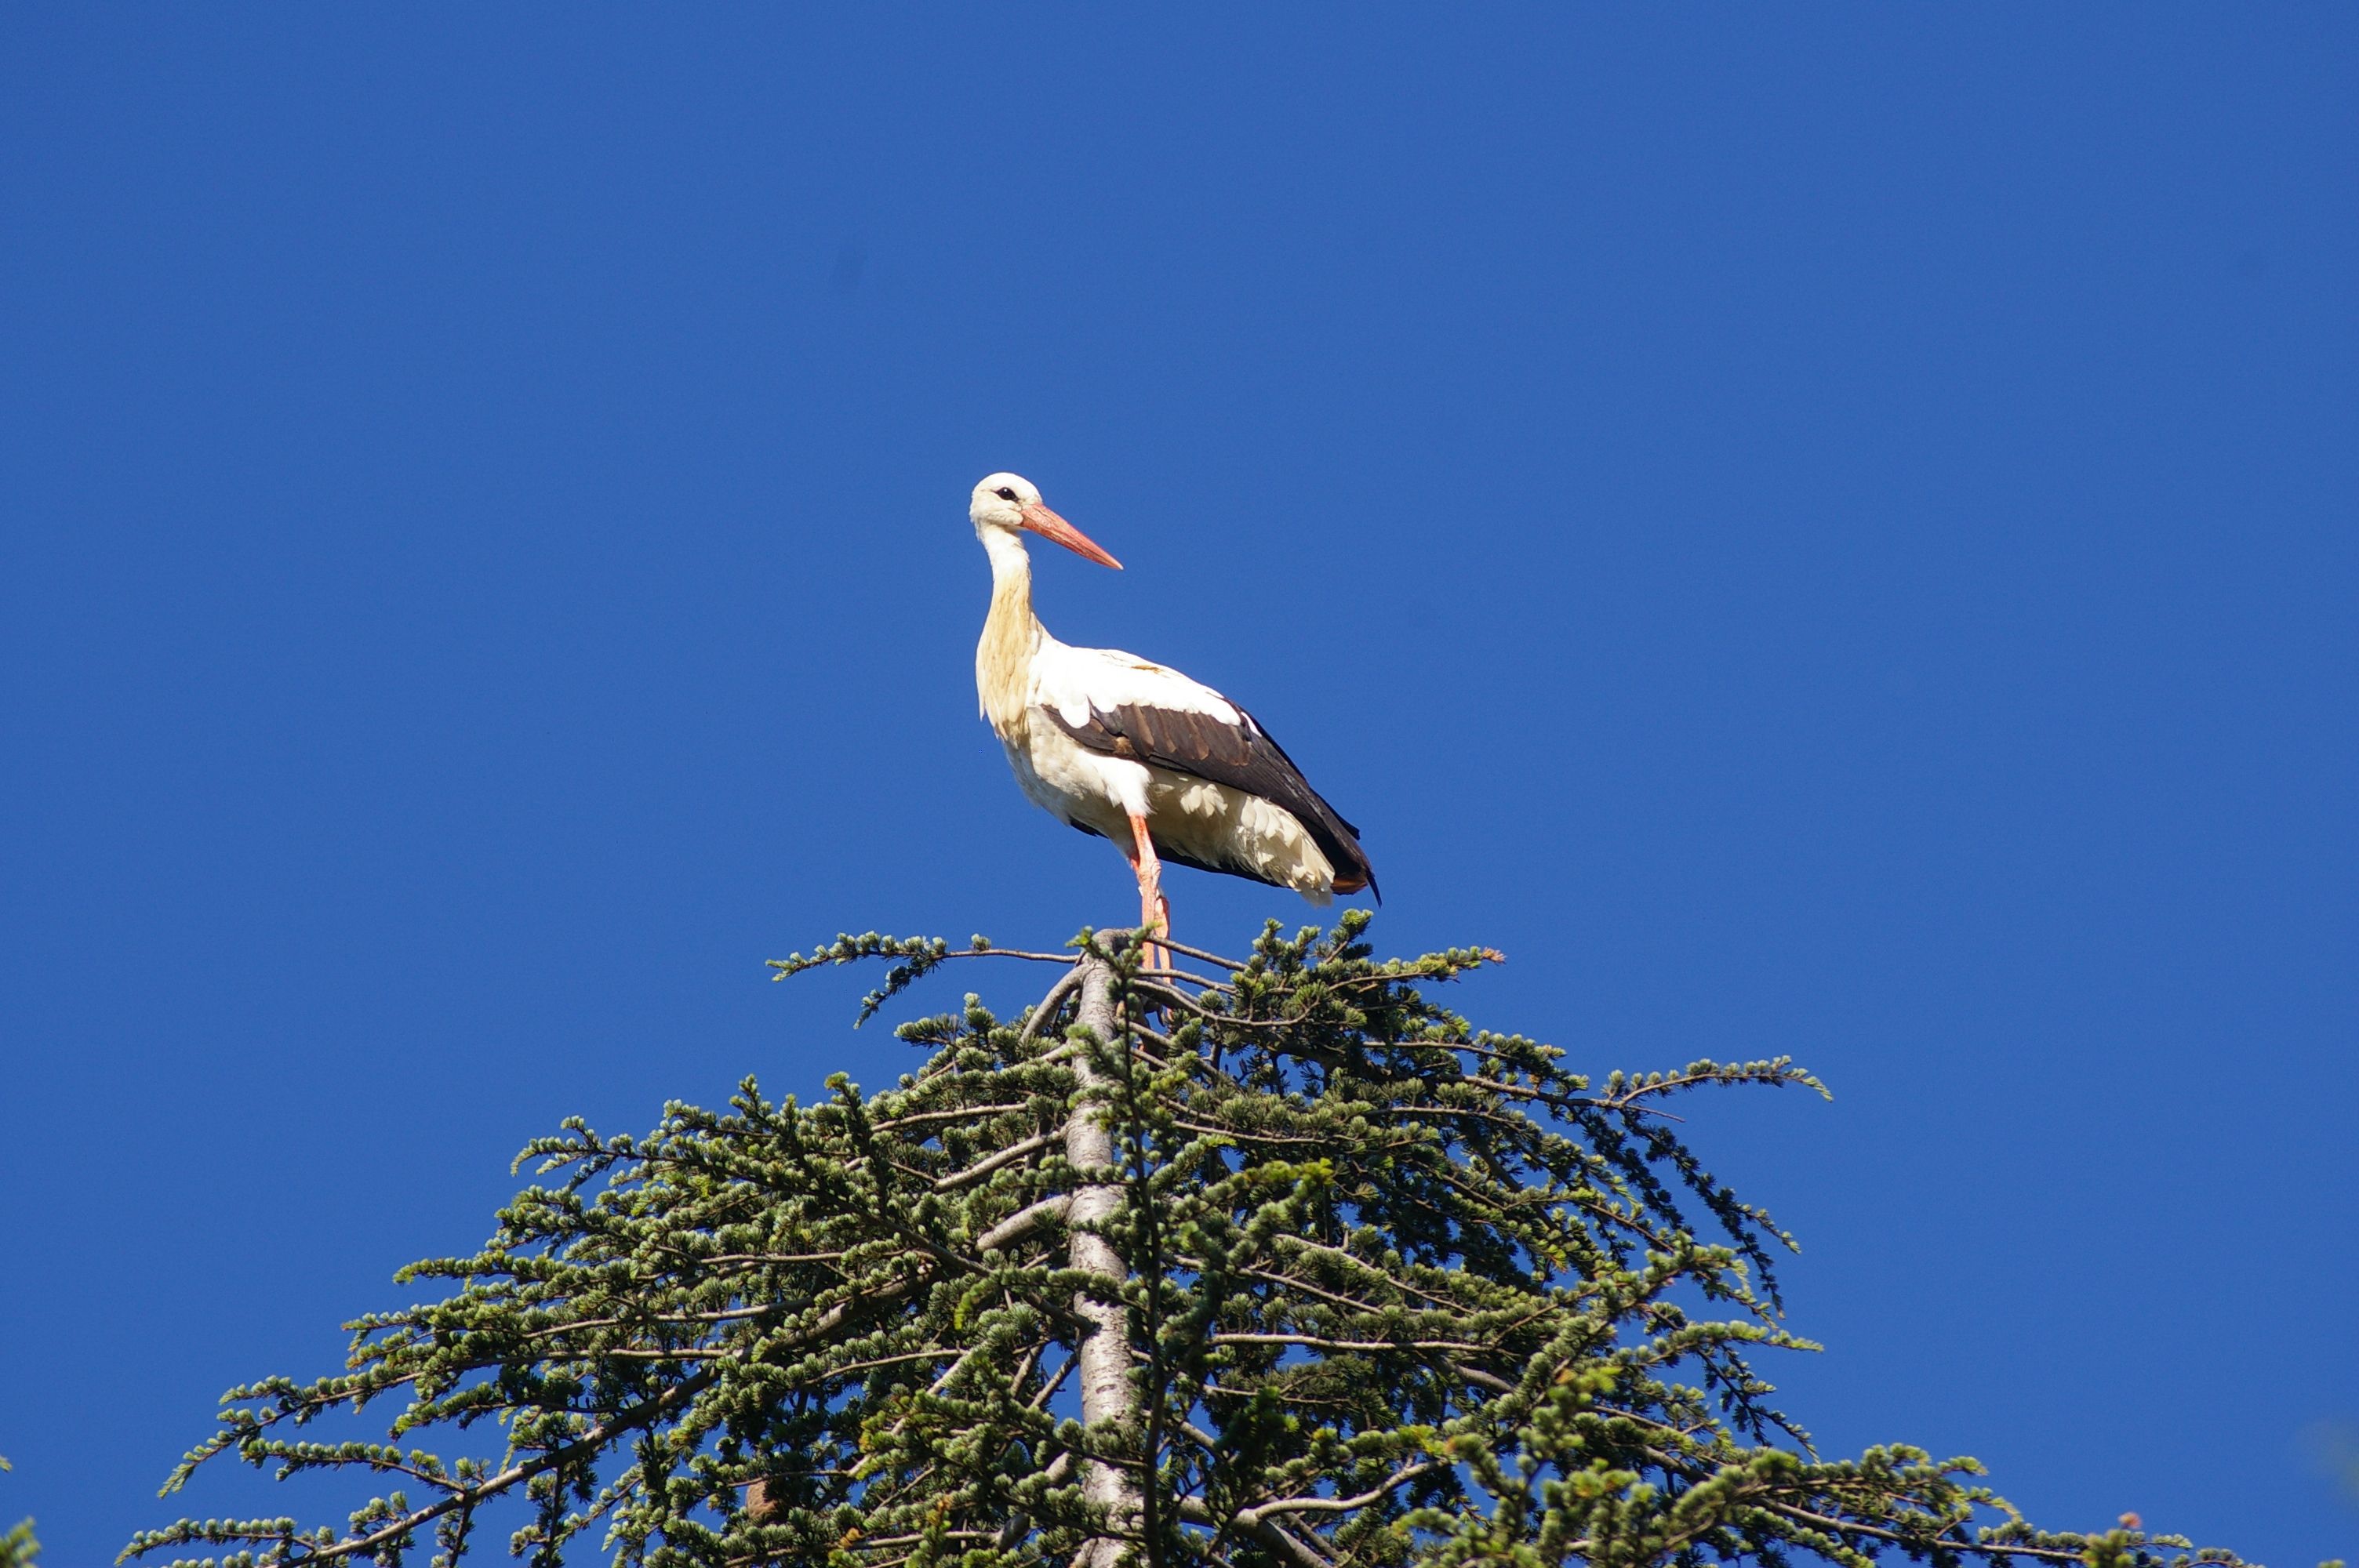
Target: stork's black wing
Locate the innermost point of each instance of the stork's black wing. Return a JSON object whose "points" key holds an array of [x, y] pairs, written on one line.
{"points": [[1243, 756]]}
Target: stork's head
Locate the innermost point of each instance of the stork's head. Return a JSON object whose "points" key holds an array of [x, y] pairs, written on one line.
{"points": [[1009, 503]]}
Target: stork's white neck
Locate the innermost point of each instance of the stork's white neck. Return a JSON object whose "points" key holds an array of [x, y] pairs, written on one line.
{"points": [[1010, 562], [1011, 634]]}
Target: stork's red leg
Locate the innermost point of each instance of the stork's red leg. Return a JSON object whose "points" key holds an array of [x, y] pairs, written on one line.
{"points": [[1154, 909]]}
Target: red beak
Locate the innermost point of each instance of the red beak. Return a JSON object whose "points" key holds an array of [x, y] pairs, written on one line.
{"points": [[1048, 526]]}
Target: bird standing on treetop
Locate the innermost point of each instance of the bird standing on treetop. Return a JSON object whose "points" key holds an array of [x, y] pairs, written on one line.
{"points": [[1166, 767]]}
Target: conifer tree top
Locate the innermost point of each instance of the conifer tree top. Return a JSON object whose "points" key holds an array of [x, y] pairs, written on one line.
{"points": [[1278, 1264]]}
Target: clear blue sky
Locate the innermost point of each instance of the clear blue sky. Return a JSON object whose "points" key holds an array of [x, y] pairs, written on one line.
{"points": [[1828, 533]]}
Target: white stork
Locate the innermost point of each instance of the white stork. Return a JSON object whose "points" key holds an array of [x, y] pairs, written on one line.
{"points": [[1112, 744]]}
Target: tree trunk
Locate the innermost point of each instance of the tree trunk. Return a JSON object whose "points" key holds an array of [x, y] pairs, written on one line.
{"points": [[1108, 1396]]}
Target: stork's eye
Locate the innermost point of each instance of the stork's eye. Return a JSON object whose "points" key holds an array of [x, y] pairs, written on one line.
{"points": [[1005, 494]]}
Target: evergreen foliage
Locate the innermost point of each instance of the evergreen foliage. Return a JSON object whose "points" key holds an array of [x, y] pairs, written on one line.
{"points": [[19, 1549], [1282, 1266]]}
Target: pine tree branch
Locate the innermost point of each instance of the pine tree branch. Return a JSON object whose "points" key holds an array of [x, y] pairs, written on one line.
{"points": [[1399, 1478]]}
